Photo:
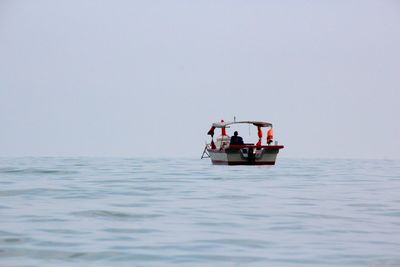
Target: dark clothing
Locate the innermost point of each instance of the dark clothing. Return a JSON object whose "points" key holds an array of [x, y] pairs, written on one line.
{"points": [[236, 140]]}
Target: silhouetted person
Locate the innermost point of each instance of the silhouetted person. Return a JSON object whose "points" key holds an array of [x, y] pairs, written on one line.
{"points": [[236, 139]]}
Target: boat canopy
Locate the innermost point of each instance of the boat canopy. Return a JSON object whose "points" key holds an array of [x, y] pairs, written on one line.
{"points": [[255, 123]]}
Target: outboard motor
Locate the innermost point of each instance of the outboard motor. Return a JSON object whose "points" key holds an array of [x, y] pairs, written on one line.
{"points": [[248, 154], [244, 153], [251, 158]]}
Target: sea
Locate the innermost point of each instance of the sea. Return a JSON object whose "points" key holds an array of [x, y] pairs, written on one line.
{"points": [[82, 211]]}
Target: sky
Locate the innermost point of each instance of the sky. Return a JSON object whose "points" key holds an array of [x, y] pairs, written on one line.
{"points": [[147, 78]]}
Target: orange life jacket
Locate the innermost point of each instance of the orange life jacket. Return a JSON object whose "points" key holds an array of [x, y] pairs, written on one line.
{"points": [[270, 135], [259, 132]]}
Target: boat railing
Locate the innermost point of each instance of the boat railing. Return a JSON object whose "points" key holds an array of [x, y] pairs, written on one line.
{"points": [[255, 146]]}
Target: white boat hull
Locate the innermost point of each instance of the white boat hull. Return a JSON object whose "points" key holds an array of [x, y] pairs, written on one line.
{"points": [[245, 156]]}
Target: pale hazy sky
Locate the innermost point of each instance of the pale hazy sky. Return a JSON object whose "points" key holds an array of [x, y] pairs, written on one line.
{"points": [[147, 78]]}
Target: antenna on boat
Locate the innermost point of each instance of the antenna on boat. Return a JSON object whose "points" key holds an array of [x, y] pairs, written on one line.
{"points": [[234, 118]]}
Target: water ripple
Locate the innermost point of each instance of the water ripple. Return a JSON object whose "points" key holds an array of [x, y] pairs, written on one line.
{"points": [[168, 212], [113, 214]]}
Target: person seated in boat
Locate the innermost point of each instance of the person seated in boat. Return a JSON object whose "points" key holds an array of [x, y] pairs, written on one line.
{"points": [[236, 139]]}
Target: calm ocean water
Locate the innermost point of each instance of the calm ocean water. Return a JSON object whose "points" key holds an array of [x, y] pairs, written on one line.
{"points": [[168, 212]]}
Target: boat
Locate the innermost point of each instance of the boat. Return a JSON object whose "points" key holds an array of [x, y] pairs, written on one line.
{"points": [[222, 152]]}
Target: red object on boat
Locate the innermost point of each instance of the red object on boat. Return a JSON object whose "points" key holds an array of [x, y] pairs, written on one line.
{"points": [[211, 131], [270, 136], [260, 134], [213, 145], [223, 129]]}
